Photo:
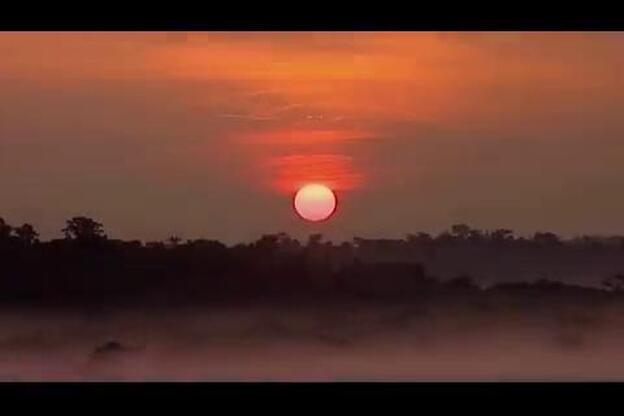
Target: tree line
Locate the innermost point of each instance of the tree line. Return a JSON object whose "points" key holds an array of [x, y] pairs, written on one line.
{"points": [[84, 229], [87, 266]]}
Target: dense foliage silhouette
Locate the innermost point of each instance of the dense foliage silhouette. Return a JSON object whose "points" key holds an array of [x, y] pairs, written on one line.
{"points": [[88, 267]]}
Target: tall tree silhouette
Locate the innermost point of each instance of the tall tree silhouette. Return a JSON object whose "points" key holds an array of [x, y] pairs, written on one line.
{"points": [[84, 229], [5, 230], [26, 234]]}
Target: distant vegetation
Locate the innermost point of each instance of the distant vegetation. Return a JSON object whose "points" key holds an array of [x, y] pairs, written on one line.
{"points": [[86, 266]]}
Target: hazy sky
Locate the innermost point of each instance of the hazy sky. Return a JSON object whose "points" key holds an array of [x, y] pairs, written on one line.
{"points": [[208, 134]]}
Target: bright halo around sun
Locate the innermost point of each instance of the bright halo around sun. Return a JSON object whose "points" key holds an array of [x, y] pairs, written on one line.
{"points": [[315, 202]]}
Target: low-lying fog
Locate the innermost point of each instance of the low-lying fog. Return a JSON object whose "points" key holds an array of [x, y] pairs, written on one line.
{"points": [[302, 342]]}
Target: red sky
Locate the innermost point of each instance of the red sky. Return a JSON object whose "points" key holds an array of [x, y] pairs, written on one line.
{"points": [[206, 134]]}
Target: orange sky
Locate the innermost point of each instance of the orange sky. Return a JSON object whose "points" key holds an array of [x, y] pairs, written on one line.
{"points": [[206, 134]]}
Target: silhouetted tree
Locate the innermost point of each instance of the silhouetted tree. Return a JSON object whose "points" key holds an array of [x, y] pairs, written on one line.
{"points": [[287, 244], [419, 238], [475, 236], [267, 243], [174, 241], [501, 235], [5, 230], [26, 234], [460, 231], [358, 242], [83, 229], [314, 240]]}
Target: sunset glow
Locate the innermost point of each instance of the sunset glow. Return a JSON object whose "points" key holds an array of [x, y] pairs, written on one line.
{"points": [[292, 172], [433, 126], [241, 207]]}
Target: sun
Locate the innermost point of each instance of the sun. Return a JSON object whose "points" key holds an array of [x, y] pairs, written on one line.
{"points": [[315, 202]]}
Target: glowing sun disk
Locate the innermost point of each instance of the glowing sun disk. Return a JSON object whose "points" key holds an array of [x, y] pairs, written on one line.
{"points": [[315, 202]]}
